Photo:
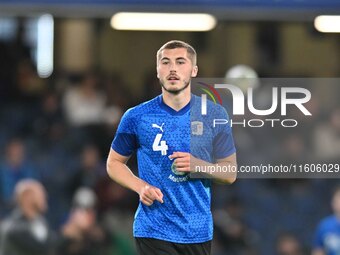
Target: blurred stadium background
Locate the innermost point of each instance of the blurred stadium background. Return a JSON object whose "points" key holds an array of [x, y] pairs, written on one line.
{"points": [[66, 76]]}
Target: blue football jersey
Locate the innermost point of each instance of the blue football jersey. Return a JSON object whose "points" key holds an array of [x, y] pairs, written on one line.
{"points": [[155, 131]]}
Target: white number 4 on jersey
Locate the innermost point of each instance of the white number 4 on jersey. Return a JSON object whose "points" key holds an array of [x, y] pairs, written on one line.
{"points": [[159, 145]]}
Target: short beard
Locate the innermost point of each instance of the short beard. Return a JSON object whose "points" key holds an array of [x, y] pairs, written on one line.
{"points": [[175, 92]]}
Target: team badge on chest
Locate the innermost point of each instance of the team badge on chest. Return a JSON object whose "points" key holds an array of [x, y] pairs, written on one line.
{"points": [[197, 128]]}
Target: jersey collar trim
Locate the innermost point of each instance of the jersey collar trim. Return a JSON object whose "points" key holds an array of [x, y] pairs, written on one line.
{"points": [[170, 110]]}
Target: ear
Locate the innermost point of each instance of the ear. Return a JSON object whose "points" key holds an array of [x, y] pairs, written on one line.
{"points": [[194, 71]]}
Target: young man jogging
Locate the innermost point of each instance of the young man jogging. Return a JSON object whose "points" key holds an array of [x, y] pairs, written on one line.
{"points": [[173, 216]]}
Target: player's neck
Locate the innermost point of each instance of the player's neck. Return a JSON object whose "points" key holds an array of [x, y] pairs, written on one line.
{"points": [[177, 102]]}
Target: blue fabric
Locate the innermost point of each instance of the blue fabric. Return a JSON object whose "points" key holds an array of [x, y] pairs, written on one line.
{"points": [[9, 176], [155, 131]]}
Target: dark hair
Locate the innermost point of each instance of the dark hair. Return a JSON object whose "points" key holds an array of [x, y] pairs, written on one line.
{"points": [[175, 44]]}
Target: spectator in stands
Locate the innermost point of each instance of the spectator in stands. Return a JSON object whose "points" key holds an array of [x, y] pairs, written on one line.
{"points": [[25, 231], [49, 122], [288, 244], [31, 87], [90, 171], [82, 233], [14, 168], [84, 104]]}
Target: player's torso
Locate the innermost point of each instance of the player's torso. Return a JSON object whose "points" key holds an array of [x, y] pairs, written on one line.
{"points": [[160, 134], [186, 208]]}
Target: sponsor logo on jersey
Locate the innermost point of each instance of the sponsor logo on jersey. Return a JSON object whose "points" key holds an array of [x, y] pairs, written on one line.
{"points": [[159, 127]]}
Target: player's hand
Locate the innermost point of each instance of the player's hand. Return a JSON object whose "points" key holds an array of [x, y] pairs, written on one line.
{"points": [[183, 161], [149, 194]]}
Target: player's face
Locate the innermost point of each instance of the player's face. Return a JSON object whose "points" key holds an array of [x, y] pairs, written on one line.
{"points": [[40, 199], [175, 69]]}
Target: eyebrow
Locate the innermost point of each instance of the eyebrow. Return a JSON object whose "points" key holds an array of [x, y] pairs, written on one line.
{"points": [[179, 58]]}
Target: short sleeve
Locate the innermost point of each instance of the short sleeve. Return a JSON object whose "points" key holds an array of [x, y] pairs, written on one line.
{"points": [[125, 140], [223, 143]]}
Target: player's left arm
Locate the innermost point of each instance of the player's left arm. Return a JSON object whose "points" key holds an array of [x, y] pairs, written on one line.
{"points": [[224, 170], [230, 163]]}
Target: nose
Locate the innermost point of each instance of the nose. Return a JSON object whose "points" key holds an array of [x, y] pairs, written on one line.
{"points": [[173, 67]]}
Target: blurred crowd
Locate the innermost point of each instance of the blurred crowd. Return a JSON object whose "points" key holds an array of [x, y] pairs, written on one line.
{"points": [[54, 138]]}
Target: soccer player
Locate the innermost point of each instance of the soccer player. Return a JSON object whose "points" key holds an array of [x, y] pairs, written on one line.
{"points": [[327, 239], [174, 215]]}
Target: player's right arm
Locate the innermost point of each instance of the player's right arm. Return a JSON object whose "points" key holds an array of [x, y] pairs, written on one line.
{"points": [[120, 172]]}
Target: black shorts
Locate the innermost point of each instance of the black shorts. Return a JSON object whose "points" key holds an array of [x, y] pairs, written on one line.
{"points": [[151, 246]]}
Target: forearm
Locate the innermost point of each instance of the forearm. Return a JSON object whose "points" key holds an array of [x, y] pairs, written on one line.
{"points": [[225, 171], [120, 173]]}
